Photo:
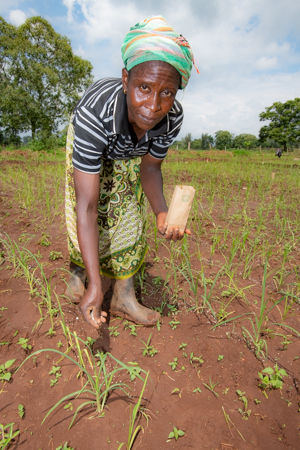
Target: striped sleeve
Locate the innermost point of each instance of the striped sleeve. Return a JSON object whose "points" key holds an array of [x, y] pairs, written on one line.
{"points": [[161, 144], [90, 140]]}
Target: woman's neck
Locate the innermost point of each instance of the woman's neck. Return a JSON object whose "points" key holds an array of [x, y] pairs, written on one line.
{"points": [[139, 133]]}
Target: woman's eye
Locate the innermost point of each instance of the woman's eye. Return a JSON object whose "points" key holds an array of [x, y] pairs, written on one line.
{"points": [[144, 87], [168, 94]]}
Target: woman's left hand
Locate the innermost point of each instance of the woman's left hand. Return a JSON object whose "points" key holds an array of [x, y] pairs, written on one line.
{"points": [[173, 233]]}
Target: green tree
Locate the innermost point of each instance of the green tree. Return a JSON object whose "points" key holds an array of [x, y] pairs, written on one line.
{"points": [[223, 139], [40, 78], [284, 126], [269, 143], [207, 141], [241, 139], [196, 144], [185, 141]]}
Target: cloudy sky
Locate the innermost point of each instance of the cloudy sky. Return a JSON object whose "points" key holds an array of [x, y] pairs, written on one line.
{"points": [[247, 51]]}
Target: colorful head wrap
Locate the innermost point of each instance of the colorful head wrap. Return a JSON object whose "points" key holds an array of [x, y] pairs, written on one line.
{"points": [[154, 40]]}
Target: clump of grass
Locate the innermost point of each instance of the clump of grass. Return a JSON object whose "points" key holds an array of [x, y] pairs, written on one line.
{"points": [[99, 383]]}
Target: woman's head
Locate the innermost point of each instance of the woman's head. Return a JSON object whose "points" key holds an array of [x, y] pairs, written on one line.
{"points": [[157, 62], [151, 88], [154, 40]]}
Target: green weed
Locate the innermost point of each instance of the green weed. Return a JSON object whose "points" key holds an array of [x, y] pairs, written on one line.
{"points": [[5, 375]]}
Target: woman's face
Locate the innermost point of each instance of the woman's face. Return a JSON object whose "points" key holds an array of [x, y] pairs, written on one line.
{"points": [[151, 89]]}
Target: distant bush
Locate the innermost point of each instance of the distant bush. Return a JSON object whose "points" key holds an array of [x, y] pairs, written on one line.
{"points": [[240, 152], [47, 142]]}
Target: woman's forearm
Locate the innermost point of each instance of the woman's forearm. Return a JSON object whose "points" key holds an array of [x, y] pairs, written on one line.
{"points": [[152, 184], [87, 195], [88, 238]]}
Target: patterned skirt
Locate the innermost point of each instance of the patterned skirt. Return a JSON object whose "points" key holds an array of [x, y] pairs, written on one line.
{"points": [[121, 216]]}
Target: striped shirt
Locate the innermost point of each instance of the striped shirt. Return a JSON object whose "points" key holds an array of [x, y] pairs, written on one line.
{"points": [[102, 129]]}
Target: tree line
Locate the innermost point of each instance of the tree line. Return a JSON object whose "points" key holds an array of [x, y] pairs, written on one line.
{"points": [[41, 80], [221, 140], [283, 131]]}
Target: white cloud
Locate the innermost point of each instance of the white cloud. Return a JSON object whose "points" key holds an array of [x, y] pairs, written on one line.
{"points": [[6, 5], [237, 110], [237, 45], [103, 20], [247, 52], [69, 4], [266, 63], [17, 17]]}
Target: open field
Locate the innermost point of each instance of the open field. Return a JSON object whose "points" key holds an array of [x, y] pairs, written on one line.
{"points": [[229, 296]]}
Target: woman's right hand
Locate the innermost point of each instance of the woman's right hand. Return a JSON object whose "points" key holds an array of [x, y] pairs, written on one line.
{"points": [[90, 307], [87, 188]]}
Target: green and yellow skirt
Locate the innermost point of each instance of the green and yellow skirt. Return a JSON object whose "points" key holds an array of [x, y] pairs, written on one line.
{"points": [[121, 216]]}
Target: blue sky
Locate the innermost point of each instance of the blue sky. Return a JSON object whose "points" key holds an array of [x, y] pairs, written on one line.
{"points": [[248, 51]]}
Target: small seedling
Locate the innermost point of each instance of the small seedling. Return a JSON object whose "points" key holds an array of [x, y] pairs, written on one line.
{"points": [[182, 346], [69, 406], [272, 379], [44, 240], [177, 391], [220, 358], [285, 343], [38, 255], [246, 413], [132, 330], [211, 387], [172, 309], [55, 371], [157, 281], [4, 374], [148, 350], [174, 324], [225, 391], [257, 402], [59, 344], [197, 390], [64, 447], [227, 293], [90, 341], [2, 309], [53, 256], [173, 364], [196, 361], [7, 435], [113, 331], [175, 434], [134, 370], [51, 331], [24, 344], [21, 410], [158, 324]]}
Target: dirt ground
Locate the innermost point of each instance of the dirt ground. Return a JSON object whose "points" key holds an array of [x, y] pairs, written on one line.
{"points": [[211, 418]]}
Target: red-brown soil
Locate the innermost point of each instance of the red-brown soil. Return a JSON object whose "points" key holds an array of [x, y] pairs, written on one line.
{"points": [[273, 423]]}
